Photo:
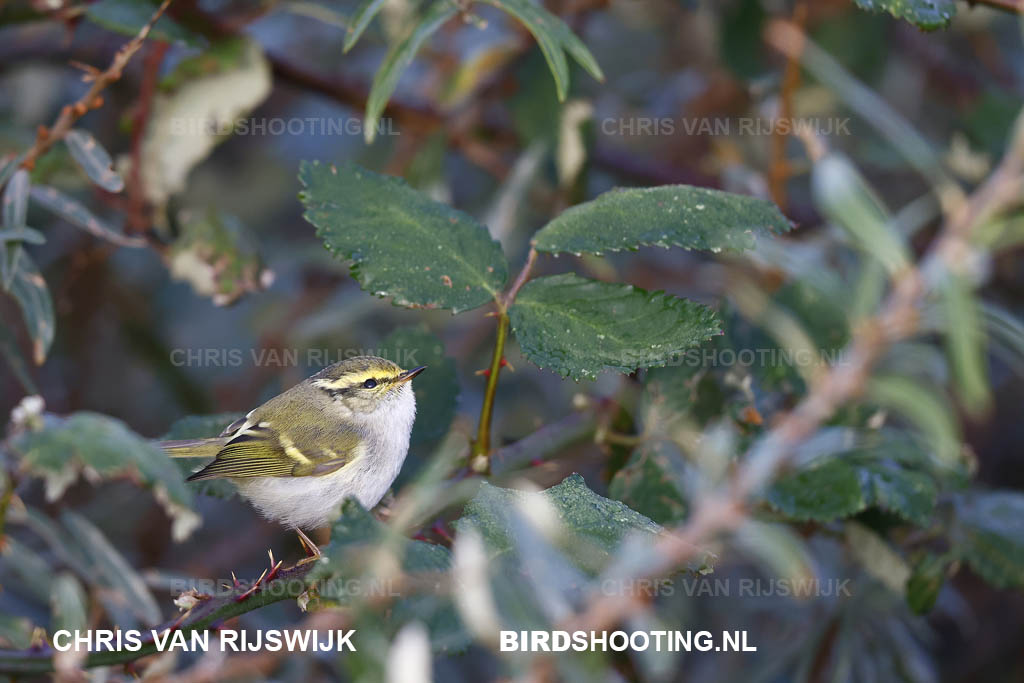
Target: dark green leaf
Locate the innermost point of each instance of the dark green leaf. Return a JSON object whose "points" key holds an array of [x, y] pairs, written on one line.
{"points": [[555, 38], [927, 15], [842, 485], [578, 327], [68, 604], [127, 17], [116, 571], [926, 579], [402, 244], [364, 14], [64, 447], [15, 208], [398, 58], [30, 291], [436, 389], [594, 526], [988, 534], [94, 160], [666, 216], [74, 212], [647, 484]]}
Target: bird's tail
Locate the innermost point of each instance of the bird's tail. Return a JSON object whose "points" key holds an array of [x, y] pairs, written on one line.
{"points": [[193, 448]]}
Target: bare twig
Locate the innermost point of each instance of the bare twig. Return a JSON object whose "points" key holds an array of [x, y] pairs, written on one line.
{"points": [[70, 113]]}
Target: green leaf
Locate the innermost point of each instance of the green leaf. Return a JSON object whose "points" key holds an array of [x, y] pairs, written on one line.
{"points": [[923, 406], [850, 201], [220, 258], [647, 484], [64, 447], [94, 160], [74, 212], [201, 427], [364, 14], [577, 327], [15, 208], [68, 604], [398, 58], [15, 632], [928, 573], [666, 216], [927, 15], [555, 38], [988, 534], [116, 571], [127, 17], [30, 291], [402, 244], [965, 343], [594, 526], [436, 389], [26, 235], [888, 476]]}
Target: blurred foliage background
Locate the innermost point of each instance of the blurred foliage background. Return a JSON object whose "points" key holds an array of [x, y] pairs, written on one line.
{"points": [[234, 298]]}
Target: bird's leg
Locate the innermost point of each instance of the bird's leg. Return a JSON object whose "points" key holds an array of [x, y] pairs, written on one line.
{"points": [[312, 550]]}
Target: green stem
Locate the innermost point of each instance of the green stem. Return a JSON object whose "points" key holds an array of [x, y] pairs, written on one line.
{"points": [[479, 457], [480, 463]]}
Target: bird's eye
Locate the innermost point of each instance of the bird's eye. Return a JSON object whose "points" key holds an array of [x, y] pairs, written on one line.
{"points": [[369, 384]]}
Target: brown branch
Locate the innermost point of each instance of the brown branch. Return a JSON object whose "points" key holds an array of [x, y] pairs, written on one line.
{"points": [[897, 319], [70, 113], [1016, 6], [780, 170], [138, 218]]}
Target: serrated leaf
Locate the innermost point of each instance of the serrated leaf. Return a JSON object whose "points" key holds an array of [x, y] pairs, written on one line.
{"points": [[74, 212], [127, 17], [928, 573], [362, 17], [398, 58], [115, 569], [94, 160], [30, 291], [402, 244], [68, 604], [927, 15], [15, 208], [848, 483], [646, 483], [201, 427], [64, 447], [436, 389], [988, 534], [578, 327], [218, 256], [667, 216], [593, 526]]}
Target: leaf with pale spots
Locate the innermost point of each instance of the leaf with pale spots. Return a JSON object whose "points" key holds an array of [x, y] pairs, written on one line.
{"points": [[927, 15], [94, 160], [63, 448], [401, 243], [666, 216], [579, 327]]}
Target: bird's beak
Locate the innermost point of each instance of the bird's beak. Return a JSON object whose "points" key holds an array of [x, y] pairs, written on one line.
{"points": [[409, 374]]}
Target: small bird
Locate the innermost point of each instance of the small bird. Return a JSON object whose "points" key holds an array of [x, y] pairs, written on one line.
{"points": [[344, 432]]}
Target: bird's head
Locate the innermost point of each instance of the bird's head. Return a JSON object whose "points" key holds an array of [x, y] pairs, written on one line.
{"points": [[365, 384]]}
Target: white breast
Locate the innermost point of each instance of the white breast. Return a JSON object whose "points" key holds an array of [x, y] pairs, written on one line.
{"points": [[311, 502]]}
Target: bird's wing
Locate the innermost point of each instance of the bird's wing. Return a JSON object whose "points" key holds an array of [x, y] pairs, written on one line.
{"points": [[257, 449]]}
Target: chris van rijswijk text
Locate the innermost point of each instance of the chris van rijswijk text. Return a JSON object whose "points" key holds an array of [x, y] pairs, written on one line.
{"points": [[271, 640]]}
